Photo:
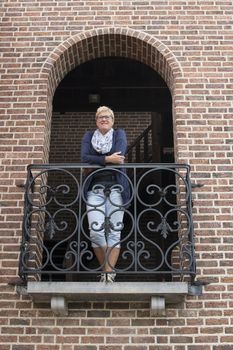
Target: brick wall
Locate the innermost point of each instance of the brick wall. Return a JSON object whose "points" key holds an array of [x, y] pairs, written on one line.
{"points": [[189, 43]]}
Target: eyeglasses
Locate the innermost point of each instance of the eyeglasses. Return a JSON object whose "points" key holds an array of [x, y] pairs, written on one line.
{"points": [[102, 117]]}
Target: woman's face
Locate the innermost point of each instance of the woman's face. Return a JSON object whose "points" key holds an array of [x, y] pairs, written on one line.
{"points": [[104, 122]]}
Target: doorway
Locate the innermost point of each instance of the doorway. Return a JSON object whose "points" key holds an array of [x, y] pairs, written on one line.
{"points": [[139, 97]]}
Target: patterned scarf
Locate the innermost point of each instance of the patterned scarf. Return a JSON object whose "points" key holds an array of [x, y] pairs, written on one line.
{"points": [[102, 143]]}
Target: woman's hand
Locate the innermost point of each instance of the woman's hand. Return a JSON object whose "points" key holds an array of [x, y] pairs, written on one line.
{"points": [[115, 158]]}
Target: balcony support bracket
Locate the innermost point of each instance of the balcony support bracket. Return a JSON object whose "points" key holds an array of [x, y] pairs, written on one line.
{"points": [[59, 306], [157, 306]]}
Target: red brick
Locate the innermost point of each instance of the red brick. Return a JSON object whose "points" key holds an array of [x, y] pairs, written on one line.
{"points": [[189, 45]]}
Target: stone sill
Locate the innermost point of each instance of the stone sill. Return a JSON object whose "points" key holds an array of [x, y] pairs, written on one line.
{"points": [[59, 294]]}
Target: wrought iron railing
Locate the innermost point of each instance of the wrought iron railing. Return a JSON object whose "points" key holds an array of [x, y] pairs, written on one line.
{"points": [[156, 240]]}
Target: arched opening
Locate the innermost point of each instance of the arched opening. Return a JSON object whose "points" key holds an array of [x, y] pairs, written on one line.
{"points": [[138, 95], [106, 43], [141, 101]]}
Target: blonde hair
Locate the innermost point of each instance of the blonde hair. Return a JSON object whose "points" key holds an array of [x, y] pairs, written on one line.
{"points": [[104, 109]]}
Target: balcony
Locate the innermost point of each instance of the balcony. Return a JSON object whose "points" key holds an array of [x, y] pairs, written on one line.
{"points": [[157, 258]]}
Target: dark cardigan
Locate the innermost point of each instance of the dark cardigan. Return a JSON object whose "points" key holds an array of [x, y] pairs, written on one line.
{"points": [[91, 156]]}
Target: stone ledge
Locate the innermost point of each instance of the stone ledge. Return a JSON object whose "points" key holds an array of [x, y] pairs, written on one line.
{"points": [[59, 294], [92, 291]]}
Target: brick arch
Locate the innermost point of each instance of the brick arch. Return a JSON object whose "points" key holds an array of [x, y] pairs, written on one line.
{"points": [[105, 42]]}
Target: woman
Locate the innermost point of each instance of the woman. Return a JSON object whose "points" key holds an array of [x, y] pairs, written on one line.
{"points": [[105, 200]]}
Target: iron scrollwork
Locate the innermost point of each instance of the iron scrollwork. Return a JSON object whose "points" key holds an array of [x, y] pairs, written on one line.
{"points": [[156, 232]]}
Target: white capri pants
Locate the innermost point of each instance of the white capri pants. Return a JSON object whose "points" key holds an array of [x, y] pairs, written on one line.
{"points": [[100, 210]]}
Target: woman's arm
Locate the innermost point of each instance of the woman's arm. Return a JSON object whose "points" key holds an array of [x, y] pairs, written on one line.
{"points": [[120, 147], [121, 142], [86, 152]]}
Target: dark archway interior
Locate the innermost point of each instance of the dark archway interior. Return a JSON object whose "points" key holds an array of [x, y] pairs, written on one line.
{"points": [[122, 84]]}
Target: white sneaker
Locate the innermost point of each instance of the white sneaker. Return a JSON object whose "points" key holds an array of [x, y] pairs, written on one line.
{"points": [[103, 278], [111, 277]]}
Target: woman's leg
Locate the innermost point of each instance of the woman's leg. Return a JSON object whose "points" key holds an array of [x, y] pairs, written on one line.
{"points": [[99, 208], [100, 253], [96, 220], [115, 213], [112, 255]]}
